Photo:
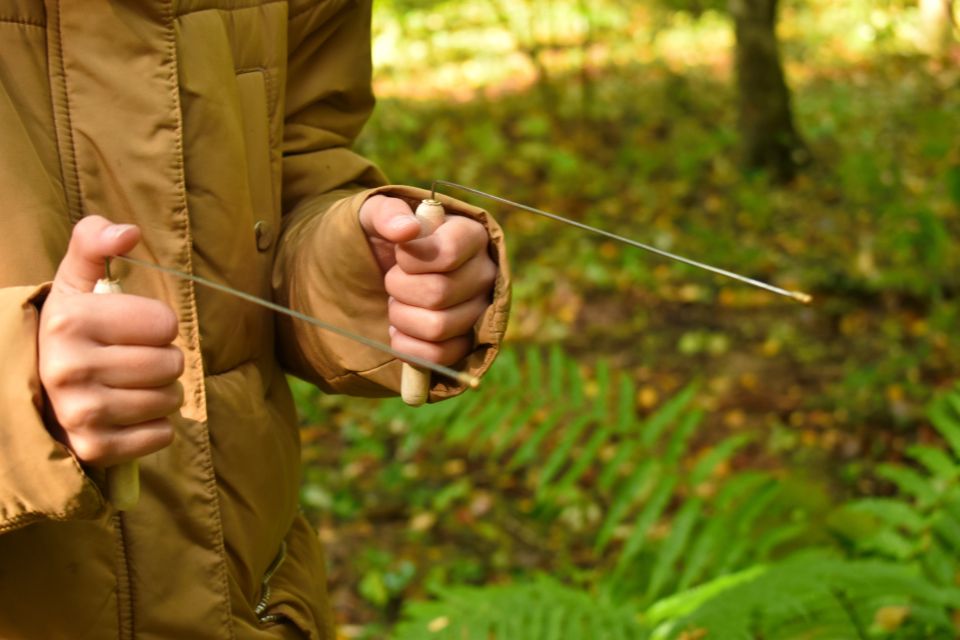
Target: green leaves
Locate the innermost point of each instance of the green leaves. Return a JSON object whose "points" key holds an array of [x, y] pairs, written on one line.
{"points": [[543, 609], [921, 525], [810, 596], [710, 568]]}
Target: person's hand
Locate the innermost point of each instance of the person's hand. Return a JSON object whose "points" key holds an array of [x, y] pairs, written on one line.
{"points": [[439, 285], [107, 362]]}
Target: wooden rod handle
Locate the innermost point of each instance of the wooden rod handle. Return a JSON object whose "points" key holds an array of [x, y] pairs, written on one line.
{"points": [[123, 480], [414, 381]]}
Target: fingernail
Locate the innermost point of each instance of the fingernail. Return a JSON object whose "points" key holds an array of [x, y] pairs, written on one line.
{"points": [[392, 330], [114, 231]]}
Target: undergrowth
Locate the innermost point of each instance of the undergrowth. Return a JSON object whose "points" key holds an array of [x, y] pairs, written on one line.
{"points": [[892, 572]]}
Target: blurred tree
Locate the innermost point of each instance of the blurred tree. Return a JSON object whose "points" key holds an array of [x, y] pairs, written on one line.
{"points": [[770, 140], [939, 24]]}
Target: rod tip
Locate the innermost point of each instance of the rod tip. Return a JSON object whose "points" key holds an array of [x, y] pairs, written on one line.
{"points": [[805, 298], [471, 381]]}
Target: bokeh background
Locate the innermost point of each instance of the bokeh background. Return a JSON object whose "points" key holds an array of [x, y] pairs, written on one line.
{"points": [[660, 452]]}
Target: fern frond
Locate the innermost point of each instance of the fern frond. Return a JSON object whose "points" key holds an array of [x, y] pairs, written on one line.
{"points": [[543, 609], [909, 482], [717, 456], [814, 595], [889, 512], [945, 415], [586, 459], [937, 462], [947, 528], [651, 512], [668, 556], [507, 432], [667, 415], [632, 489], [530, 448], [561, 454]]}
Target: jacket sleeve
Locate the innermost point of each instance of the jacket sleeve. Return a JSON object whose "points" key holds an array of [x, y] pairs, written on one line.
{"points": [[39, 477], [324, 265]]}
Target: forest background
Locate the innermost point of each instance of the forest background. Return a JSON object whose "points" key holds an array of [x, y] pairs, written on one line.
{"points": [[660, 452]]}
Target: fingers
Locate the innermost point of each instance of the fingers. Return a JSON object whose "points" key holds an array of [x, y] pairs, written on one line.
{"points": [[105, 408], [389, 219], [438, 291], [94, 239], [109, 447], [114, 406], [107, 362], [120, 367], [447, 352], [436, 326], [440, 279], [113, 319], [455, 242]]}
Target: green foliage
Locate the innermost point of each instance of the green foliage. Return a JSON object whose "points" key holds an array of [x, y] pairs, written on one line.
{"points": [[578, 443], [900, 581], [814, 595], [542, 609], [921, 524], [628, 124], [810, 596]]}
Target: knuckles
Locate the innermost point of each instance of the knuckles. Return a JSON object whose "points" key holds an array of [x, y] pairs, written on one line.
{"points": [[435, 291], [448, 257], [435, 326], [425, 290], [63, 320], [81, 412], [59, 372], [90, 449]]}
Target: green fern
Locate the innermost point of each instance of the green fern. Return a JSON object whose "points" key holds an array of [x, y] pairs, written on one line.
{"points": [[920, 525], [667, 515], [575, 439], [704, 571], [809, 596], [542, 609]]}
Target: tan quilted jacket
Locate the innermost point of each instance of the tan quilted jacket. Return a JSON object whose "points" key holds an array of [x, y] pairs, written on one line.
{"points": [[222, 129]]}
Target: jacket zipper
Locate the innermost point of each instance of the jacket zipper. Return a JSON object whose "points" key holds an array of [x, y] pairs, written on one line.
{"points": [[261, 608], [124, 583]]}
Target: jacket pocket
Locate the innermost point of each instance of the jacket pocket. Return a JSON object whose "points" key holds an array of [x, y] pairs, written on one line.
{"points": [[261, 174], [266, 591], [294, 592]]}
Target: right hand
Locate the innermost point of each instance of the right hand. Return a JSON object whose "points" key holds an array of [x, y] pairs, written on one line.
{"points": [[107, 362]]}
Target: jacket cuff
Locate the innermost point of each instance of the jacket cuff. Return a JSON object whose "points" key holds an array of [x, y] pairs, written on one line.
{"points": [[327, 269], [39, 477]]}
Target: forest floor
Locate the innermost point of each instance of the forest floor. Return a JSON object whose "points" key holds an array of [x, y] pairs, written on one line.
{"points": [[825, 390]]}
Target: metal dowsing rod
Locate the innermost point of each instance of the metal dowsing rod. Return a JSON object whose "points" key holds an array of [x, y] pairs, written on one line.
{"points": [[465, 378], [799, 296], [415, 376]]}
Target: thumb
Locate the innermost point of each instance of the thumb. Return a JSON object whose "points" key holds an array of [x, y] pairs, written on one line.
{"points": [[94, 239], [390, 219]]}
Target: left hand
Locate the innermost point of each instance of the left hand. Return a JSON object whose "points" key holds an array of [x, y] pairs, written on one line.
{"points": [[439, 285]]}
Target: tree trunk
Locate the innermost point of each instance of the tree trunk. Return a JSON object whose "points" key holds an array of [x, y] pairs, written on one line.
{"points": [[938, 25], [770, 140]]}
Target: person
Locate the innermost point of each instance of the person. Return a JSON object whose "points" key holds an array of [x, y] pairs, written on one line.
{"points": [[212, 137]]}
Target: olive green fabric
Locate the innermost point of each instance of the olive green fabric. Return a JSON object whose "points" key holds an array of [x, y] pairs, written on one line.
{"points": [[223, 130]]}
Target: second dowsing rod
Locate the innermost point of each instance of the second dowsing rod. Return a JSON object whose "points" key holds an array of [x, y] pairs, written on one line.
{"points": [[415, 382]]}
